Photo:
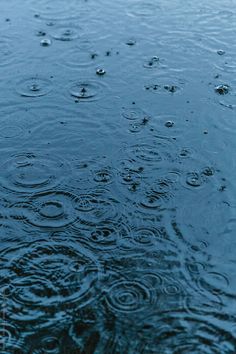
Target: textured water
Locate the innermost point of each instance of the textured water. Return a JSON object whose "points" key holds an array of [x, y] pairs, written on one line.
{"points": [[117, 182]]}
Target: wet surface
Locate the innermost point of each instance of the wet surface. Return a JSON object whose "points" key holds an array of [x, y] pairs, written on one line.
{"points": [[117, 183]]}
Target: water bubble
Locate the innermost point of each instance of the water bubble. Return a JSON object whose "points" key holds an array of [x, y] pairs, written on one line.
{"points": [[34, 87], [100, 72], [222, 89], [220, 52], [45, 42]]}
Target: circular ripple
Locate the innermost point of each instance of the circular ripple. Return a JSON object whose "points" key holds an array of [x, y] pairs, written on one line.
{"points": [[52, 209], [29, 172], [65, 34], [76, 58], [49, 275], [9, 131], [128, 296], [140, 9], [34, 87], [87, 90]]}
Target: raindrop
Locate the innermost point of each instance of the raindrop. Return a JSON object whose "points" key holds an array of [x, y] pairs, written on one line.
{"points": [[87, 90]]}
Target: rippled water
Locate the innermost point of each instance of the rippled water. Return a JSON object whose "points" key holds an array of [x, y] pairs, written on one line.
{"points": [[117, 181]]}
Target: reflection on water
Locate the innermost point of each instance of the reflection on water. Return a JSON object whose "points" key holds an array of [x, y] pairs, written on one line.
{"points": [[117, 184]]}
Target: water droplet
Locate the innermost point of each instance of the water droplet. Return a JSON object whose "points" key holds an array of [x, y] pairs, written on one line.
{"points": [[45, 42]]}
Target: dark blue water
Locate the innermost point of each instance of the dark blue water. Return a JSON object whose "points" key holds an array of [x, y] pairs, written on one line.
{"points": [[117, 177]]}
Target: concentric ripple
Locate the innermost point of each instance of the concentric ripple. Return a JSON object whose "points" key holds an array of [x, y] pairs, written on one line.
{"points": [[48, 275], [30, 172], [133, 113], [52, 209], [87, 91], [128, 296], [34, 87]]}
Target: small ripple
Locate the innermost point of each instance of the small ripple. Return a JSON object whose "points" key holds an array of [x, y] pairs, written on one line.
{"points": [[95, 207], [65, 34], [10, 131], [133, 113], [105, 236], [143, 10], [34, 87], [29, 172], [77, 58], [47, 10], [151, 152]]}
